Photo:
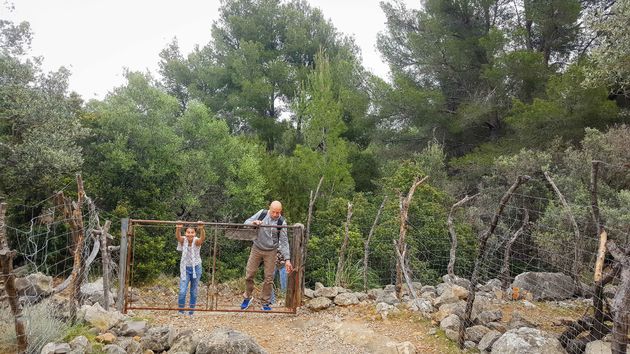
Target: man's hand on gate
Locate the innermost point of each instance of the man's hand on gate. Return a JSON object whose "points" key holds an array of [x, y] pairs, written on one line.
{"points": [[288, 266]]}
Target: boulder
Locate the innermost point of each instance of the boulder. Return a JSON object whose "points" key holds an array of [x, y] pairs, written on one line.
{"points": [[93, 293], [401, 347], [545, 286], [346, 299], [156, 339], [185, 342], [130, 345], [489, 316], [309, 293], [319, 303], [526, 340], [490, 286], [463, 282], [97, 317], [318, 285], [451, 322], [106, 338], [450, 293], [341, 290], [456, 308], [228, 341], [517, 321], [373, 294], [422, 305], [37, 284], [488, 339], [361, 296], [389, 288], [81, 344], [326, 292], [475, 333], [132, 328], [388, 298], [600, 347], [56, 348], [113, 349]]}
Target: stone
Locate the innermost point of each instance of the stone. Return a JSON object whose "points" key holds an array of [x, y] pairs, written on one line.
{"points": [[427, 288], [185, 342], [93, 293], [497, 326], [37, 284], [97, 317], [374, 293], [388, 298], [488, 339], [469, 344], [452, 335], [527, 340], [361, 296], [133, 347], [446, 310], [545, 285], [451, 322], [475, 333], [81, 344], [450, 294], [517, 321], [56, 348], [106, 338], [132, 328], [600, 347], [490, 286], [113, 349], [225, 340], [401, 347], [382, 307], [341, 290], [489, 316], [309, 293], [423, 306], [389, 288], [463, 282], [346, 299], [528, 304], [156, 339], [319, 303], [326, 292], [318, 285]]}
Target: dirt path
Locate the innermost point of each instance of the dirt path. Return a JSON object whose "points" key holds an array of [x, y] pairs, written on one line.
{"points": [[354, 329]]}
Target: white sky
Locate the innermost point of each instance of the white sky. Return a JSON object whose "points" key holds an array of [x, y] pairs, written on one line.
{"points": [[96, 39]]}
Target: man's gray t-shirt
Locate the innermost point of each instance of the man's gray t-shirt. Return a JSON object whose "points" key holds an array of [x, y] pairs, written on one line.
{"points": [[268, 238]]}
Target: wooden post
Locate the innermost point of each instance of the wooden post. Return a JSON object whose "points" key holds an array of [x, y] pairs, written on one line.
{"points": [[122, 265], [307, 234], [105, 259], [599, 327], [601, 255], [344, 246], [620, 307], [295, 278], [483, 240], [366, 246], [405, 202], [8, 277], [401, 259], [450, 269], [76, 224]]}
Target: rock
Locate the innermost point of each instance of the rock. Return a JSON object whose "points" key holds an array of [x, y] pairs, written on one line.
{"points": [[432, 332], [427, 288], [545, 286], [528, 304], [527, 341], [382, 306], [309, 293], [373, 294], [113, 349], [422, 305], [106, 338], [361, 296], [517, 321], [452, 335], [451, 322], [318, 286], [326, 292], [81, 344], [346, 299], [132, 328], [450, 294], [56, 348], [489, 316], [185, 342], [130, 345], [449, 309], [319, 303], [228, 341], [475, 333], [469, 344], [388, 298], [463, 282], [496, 326], [486, 342], [401, 347], [36, 284], [97, 317], [490, 286], [156, 339], [600, 347], [93, 293], [389, 288], [341, 290]]}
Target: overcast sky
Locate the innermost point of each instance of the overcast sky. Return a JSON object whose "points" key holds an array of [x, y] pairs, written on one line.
{"points": [[96, 39]]}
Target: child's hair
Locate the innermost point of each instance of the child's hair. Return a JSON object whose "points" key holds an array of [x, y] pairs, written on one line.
{"points": [[190, 226]]}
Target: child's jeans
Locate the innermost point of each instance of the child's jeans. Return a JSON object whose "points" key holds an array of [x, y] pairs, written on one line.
{"points": [[183, 286], [283, 282]]}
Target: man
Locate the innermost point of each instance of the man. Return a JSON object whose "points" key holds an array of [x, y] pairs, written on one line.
{"points": [[268, 243]]}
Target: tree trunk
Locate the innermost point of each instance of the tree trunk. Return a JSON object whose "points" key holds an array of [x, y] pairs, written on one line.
{"points": [[105, 259], [344, 246], [505, 269], [450, 269], [404, 211], [401, 259], [366, 248], [309, 218], [483, 240], [577, 239]]}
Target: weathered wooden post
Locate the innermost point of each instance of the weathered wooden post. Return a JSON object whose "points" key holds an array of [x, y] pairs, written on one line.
{"points": [[105, 259], [122, 265], [8, 278], [295, 281]]}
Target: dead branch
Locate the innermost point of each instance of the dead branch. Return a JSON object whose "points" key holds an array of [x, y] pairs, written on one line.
{"points": [[401, 260], [366, 246]]}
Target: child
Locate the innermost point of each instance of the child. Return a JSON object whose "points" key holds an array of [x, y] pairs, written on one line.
{"points": [[190, 264]]}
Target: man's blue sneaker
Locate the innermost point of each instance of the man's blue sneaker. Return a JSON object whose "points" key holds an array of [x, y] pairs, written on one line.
{"points": [[246, 303], [266, 307]]}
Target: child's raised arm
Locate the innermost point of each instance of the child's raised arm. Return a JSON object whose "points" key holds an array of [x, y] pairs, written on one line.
{"points": [[178, 232], [202, 233]]}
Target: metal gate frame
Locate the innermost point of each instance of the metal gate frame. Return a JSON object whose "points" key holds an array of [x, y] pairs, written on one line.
{"points": [[294, 283]]}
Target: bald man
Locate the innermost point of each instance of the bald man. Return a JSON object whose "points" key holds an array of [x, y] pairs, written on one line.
{"points": [[268, 243]]}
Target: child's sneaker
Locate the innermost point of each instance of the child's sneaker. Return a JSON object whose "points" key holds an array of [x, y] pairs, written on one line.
{"points": [[246, 303], [266, 307]]}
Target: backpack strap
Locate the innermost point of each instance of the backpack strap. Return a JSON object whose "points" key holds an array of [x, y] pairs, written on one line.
{"points": [[262, 215]]}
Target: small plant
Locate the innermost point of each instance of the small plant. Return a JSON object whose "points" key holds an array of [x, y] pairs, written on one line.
{"points": [[351, 276]]}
